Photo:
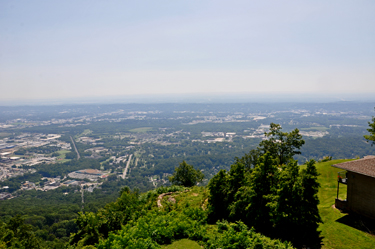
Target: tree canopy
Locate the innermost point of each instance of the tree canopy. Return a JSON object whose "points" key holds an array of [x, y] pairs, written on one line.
{"points": [[282, 146], [186, 175], [371, 137], [267, 190]]}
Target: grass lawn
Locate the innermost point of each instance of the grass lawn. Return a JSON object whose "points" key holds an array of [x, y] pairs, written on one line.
{"points": [[62, 153], [141, 129], [183, 244], [83, 134], [61, 158], [86, 132], [193, 198], [317, 128], [336, 232]]}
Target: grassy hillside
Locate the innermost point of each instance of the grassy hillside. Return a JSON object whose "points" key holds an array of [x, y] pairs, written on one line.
{"points": [[339, 230]]}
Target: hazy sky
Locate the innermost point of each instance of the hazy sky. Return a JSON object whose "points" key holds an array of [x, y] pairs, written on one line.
{"points": [[64, 49]]}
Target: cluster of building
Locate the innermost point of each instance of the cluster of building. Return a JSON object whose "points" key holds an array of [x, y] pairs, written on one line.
{"points": [[314, 133], [5, 195], [88, 140], [27, 140], [91, 174], [53, 183], [11, 160], [50, 183]]}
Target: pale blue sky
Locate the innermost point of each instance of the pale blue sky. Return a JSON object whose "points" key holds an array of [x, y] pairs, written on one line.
{"points": [[69, 49]]}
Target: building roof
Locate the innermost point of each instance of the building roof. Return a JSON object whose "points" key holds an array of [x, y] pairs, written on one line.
{"points": [[364, 166]]}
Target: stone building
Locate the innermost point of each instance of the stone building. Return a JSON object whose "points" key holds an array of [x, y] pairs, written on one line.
{"points": [[359, 176]]}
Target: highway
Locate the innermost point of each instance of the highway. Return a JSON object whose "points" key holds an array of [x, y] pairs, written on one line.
{"points": [[127, 166], [78, 156]]}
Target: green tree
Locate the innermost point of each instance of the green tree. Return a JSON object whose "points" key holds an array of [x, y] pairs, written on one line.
{"points": [[186, 175], [310, 201], [295, 213], [218, 198], [18, 235], [281, 145], [223, 189], [95, 226], [371, 137], [251, 200]]}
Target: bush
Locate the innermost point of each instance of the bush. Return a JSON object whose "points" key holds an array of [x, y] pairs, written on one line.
{"points": [[237, 235]]}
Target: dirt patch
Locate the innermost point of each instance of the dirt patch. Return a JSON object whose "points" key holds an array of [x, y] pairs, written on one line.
{"points": [[160, 197], [194, 194], [204, 205]]}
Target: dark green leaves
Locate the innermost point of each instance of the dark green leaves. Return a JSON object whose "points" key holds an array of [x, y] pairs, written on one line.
{"points": [[186, 175], [371, 137]]}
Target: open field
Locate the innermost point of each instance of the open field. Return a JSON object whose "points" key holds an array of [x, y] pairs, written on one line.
{"points": [[62, 153], [141, 129], [339, 230], [84, 133], [61, 158]]}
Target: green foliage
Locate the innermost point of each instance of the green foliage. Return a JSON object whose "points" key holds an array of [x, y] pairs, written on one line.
{"points": [[186, 175], [39, 150], [166, 189], [219, 199], [281, 145], [371, 137], [237, 235], [252, 197], [17, 234], [158, 228], [223, 188], [70, 155], [269, 191], [94, 226]]}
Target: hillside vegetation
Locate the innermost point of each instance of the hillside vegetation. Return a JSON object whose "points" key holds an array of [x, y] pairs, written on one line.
{"points": [[185, 213], [185, 210], [265, 200]]}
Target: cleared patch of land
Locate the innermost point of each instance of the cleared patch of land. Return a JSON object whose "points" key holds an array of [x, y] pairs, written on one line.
{"points": [[84, 133], [317, 128], [141, 129], [4, 134], [183, 244], [61, 158]]}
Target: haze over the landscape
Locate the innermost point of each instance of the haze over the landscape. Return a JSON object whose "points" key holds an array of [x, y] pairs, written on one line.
{"points": [[86, 49], [187, 124]]}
